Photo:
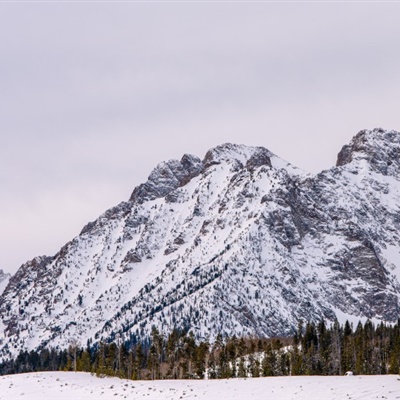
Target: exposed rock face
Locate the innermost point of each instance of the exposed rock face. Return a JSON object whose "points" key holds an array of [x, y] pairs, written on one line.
{"points": [[344, 156], [239, 243], [166, 177], [380, 148]]}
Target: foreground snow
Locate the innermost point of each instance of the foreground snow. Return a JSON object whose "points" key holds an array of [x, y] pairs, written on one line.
{"points": [[83, 386]]}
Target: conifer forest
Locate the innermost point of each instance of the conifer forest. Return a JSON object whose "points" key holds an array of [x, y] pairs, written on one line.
{"points": [[315, 349]]}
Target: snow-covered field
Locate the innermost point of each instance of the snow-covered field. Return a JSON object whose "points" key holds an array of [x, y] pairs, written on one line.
{"points": [[83, 386]]}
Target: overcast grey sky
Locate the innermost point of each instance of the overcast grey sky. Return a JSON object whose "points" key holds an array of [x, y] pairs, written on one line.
{"points": [[94, 95]]}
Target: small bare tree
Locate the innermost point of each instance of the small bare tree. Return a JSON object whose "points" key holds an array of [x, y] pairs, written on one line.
{"points": [[73, 352]]}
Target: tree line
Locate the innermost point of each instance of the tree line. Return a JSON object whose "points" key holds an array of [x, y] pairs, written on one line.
{"points": [[314, 349]]}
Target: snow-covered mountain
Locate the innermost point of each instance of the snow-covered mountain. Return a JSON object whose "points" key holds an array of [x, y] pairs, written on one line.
{"points": [[240, 242]]}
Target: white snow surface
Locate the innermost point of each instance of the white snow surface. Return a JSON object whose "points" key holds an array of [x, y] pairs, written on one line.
{"points": [[83, 386]]}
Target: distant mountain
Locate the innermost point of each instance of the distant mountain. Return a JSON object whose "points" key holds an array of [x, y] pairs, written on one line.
{"points": [[240, 242], [4, 278]]}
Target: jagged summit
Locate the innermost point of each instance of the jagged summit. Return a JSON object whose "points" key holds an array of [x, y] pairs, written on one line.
{"points": [[166, 177], [172, 174], [240, 242], [378, 147], [239, 155]]}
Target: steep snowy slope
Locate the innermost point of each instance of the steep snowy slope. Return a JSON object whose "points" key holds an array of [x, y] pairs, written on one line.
{"points": [[240, 242]]}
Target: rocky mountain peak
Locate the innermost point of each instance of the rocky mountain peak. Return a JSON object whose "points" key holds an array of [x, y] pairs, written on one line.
{"points": [[166, 177], [379, 147], [172, 174], [237, 155]]}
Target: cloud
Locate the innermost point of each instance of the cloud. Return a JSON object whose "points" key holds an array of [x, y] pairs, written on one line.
{"points": [[93, 96]]}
